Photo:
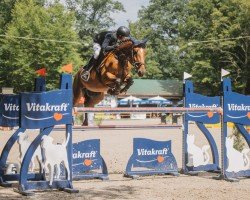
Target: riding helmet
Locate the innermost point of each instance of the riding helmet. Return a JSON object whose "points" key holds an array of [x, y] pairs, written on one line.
{"points": [[123, 31]]}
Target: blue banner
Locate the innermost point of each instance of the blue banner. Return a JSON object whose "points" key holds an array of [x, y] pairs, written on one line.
{"points": [[194, 100], [9, 110], [236, 108], [152, 154], [46, 109], [86, 156]]}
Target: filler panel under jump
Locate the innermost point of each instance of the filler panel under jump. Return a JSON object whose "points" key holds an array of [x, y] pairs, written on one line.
{"points": [[44, 110], [195, 158], [236, 109]]}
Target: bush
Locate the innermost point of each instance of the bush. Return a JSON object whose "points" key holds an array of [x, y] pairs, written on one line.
{"points": [[239, 140]]}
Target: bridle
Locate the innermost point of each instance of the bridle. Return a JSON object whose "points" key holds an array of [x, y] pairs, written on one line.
{"points": [[136, 64]]}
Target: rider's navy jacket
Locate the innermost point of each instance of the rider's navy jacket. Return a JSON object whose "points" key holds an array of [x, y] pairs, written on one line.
{"points": [[108, 40]]}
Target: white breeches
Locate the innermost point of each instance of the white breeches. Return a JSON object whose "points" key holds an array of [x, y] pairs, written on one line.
{"points": [[97, 50]]}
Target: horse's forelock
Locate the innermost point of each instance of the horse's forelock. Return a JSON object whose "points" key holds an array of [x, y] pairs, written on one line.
{"points": [[126, 40], [141, 44], [126, 43], [125, 46]]}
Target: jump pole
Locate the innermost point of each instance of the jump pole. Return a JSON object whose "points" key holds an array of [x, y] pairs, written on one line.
{"points": [[147, 110]]}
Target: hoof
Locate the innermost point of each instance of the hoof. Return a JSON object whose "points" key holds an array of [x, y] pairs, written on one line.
{"points": [[113, 92], [85, 123]]}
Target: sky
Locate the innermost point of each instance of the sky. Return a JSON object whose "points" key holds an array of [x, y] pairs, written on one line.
{"points": [[131, 7]]}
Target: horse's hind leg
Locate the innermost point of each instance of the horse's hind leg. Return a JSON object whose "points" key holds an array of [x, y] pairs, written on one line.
{"points": [[85, 119], [77, 88], [91, 100]]}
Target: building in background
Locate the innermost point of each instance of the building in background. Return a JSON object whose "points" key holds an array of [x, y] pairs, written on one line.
{"points": [[148, 88]]}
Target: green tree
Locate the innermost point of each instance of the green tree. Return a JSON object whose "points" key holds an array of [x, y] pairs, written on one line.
{"points": [[92, 17], [152, 66], [224, 28], [160, 20], [6, 7], [5, 13], [178, 31], [38, 37]]}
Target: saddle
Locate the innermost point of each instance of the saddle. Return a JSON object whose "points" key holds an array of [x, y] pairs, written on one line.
{"points": [[85, 74]]}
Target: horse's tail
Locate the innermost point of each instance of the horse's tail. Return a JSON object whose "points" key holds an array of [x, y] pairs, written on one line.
{"points": [[77, 89]]}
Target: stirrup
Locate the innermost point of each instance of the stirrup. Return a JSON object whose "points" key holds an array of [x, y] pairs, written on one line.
{"points": [[85, 75]]}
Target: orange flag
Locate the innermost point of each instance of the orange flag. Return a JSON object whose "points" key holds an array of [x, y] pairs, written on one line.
{"points": [[67, 68], [41, 72]]}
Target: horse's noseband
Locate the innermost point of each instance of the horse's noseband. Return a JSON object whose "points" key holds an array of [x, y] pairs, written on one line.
{"points": [[138, 64]]}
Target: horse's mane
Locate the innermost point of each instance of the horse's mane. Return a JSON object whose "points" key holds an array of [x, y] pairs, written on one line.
{"points": [[124, 46], [123, 49]]}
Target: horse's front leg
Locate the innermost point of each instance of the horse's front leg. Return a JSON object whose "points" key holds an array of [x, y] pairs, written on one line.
{"points": [[91, 99], [129, 82], [115, 85], [115, 90]]}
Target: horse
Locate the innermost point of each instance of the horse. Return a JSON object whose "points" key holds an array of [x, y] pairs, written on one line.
{"points": [[112, 73]]}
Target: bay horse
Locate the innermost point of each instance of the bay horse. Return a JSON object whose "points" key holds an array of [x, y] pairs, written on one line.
{"points": [[112, 73]]}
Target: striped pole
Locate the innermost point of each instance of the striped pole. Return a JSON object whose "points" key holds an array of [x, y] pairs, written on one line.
{"points": [[148, 110]]}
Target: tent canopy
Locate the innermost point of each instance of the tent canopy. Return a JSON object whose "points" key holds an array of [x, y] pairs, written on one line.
{"points": [[159, 100], [130, 99]]}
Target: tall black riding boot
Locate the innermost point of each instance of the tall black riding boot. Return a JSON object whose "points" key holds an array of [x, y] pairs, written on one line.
{"points": [[89, 65], [86, 72]]}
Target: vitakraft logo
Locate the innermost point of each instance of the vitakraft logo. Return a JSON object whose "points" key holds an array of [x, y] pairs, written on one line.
{"points": [[47, 107], [149, 152], [193, 105], [79, 154], [11, 107], [237, 107]]}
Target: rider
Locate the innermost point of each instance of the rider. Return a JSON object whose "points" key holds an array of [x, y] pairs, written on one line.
{"points": [[106, 41]]}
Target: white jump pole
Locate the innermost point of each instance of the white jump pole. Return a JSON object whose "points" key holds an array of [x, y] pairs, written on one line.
{"points": [[148, 110]]}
